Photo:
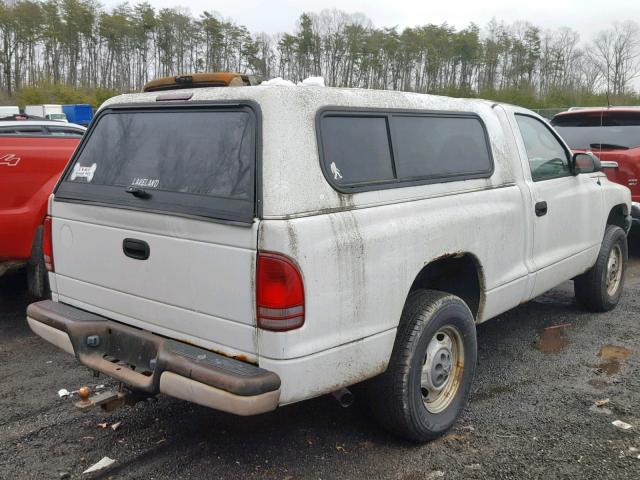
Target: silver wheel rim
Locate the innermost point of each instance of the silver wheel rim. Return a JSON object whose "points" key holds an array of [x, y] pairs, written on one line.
{"points": [[442, 369], [614, 270]]}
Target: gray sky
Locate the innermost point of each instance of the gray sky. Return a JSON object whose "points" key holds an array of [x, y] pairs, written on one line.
{"points": [[274, 16]]}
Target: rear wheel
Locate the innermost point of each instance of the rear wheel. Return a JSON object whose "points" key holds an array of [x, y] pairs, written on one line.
{"points": [[599, 288], [431, 369]]}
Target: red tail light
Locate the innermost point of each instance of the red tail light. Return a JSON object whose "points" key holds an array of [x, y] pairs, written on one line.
{"points": [[279, 293], [47, 244]]}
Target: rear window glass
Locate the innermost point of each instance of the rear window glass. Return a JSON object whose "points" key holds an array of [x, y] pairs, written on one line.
{"points": [[599, 130], [363, 151], [440, 146], [191, 161], [357, 149], [205, 153]]}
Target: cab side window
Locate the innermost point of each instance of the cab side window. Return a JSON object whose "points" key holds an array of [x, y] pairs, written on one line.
{"points": [[547, 156]]}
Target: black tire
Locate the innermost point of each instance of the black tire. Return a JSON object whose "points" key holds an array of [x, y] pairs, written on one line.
{"points": [[37, 278], [591, 288], [396, 397]]}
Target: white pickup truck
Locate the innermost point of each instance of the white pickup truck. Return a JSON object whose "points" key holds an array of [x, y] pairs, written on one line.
{"points": [[247, 248]]}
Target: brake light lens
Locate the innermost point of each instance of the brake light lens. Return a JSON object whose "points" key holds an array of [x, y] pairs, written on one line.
{"points": [[279, 293], [47, 244]]}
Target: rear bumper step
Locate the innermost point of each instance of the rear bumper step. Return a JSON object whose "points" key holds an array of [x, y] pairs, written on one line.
{"points": [[156, 364]]}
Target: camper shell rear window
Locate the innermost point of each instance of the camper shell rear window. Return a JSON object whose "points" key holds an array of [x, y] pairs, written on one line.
{"points": [[190, 160], [367, 149]]}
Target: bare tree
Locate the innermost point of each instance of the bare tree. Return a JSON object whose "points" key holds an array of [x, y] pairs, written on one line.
{"points": [[616, 54], [83, 45]]}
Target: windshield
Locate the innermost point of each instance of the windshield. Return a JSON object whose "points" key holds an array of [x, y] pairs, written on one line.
{"points": [[192, 161], [607, 130]]}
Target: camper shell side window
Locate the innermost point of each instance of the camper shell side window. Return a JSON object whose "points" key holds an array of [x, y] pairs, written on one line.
{"points": [[363, 149]]}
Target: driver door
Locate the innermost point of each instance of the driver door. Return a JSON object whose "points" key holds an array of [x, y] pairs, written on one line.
{"points": [[568, 209]]}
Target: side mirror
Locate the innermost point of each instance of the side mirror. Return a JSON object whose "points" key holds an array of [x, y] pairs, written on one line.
{"points": [[586, 163]]}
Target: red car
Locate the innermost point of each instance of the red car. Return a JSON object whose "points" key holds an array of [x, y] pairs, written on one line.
{"points": [[33, 154], [613, 134]]}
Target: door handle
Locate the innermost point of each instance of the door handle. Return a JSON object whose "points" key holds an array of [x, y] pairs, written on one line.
{"points": [[136, 249], [541, 209], [609, 164]]}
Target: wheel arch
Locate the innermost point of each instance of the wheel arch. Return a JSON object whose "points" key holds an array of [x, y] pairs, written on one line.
{"points": [[618, 215], [457, 273]]}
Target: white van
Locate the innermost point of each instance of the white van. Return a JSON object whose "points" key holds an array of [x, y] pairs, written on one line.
{"points": [[247, 248]]}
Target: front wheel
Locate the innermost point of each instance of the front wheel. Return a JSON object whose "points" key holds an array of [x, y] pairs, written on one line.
{"points": [[431, 368], [599, 288]]}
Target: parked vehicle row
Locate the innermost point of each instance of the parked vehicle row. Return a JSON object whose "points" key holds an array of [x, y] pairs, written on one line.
{"points": [[80, 114], [246, 248]]}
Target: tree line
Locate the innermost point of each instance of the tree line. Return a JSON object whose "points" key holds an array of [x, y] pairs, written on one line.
{"points": [[81, 45]]}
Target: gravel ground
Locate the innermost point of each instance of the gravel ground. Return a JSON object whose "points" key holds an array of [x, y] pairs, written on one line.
{"points": [[531, 413]]}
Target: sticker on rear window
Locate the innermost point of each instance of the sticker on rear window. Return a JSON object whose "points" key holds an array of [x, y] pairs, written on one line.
{"points": [[145, 182], [83, 172], [335, 171]]}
